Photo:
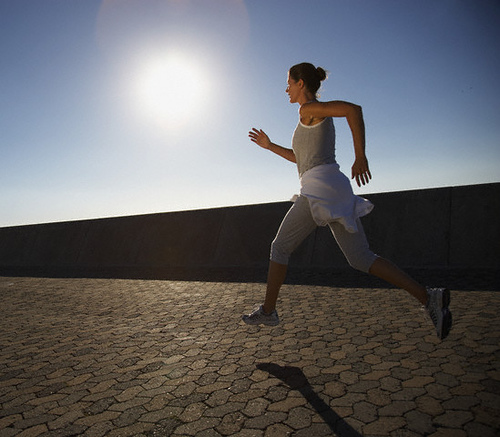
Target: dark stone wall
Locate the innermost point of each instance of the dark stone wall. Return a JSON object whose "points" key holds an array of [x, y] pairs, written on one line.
{"points": [[443, 228]]}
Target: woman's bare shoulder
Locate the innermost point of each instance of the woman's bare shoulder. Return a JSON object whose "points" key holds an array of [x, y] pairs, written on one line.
{"points": [[334, 108]]}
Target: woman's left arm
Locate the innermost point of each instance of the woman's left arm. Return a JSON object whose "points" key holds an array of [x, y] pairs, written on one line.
{"points": [[354, 115]]}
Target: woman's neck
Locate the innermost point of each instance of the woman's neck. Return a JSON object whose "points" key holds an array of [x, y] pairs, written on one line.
{"points": [[306, 99]]}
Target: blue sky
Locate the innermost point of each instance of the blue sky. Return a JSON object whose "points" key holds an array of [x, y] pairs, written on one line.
{"points": [[124, 107]]}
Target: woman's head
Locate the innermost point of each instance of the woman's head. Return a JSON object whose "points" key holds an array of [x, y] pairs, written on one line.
{"points": [[311, 76]]}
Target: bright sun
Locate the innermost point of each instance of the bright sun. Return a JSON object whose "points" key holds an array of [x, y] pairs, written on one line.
{"points": [[170, 89]]}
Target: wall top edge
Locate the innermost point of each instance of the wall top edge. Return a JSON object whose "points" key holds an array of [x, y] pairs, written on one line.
{"points": [[225, 208]]}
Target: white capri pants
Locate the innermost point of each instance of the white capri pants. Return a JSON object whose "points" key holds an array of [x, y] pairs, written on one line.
{"points": [[299, 223]]}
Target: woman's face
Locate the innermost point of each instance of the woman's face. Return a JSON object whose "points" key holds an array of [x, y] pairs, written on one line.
{"points": [[293, 89]]}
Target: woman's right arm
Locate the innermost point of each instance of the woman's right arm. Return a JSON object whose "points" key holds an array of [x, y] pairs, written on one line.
{"points": [[259, 137]]}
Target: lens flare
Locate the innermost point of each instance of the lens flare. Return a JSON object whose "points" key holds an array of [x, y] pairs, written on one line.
{"points": [[165, 54], [170, 89]]}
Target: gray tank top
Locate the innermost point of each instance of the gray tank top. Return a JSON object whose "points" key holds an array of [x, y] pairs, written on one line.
{"points": [[314, 145]]}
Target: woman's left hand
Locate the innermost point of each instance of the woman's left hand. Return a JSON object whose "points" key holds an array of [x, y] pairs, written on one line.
{"points": [[361, 171]]}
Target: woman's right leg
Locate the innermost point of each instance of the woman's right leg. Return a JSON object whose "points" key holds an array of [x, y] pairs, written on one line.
{"points": [[297, 224], [275, 277]]}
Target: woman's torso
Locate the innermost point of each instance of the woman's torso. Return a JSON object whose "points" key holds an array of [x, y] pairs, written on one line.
{"points": [[314, 144]]}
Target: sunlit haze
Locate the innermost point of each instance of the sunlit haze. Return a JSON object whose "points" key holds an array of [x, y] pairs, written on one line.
{"points": [[170, 89], [124, 107]]}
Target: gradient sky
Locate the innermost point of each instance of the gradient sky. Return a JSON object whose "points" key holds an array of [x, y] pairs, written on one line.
{"points": [[90, 127]]}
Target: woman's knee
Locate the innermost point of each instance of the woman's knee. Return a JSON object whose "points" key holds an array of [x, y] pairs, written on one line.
{"points": [[280, 253], [362, 262]]}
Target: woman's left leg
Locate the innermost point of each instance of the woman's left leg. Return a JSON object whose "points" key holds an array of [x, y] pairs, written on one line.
{"points": [[384, 269], [357, 251]]}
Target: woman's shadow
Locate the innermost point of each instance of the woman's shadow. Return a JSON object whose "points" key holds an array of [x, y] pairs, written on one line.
{"points": [[296, 380]]}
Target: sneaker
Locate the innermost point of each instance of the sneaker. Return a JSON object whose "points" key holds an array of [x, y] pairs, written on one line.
{"points": [[259, 317], [437, 308]]}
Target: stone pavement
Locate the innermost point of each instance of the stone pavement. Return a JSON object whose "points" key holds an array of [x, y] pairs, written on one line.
{"points": [[97, 357]]}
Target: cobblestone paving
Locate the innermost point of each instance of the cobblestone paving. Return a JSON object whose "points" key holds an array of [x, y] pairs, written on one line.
{"points": [[96, 357]]}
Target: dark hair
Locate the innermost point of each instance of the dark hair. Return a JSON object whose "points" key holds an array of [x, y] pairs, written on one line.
{"points": [[311, 75]]}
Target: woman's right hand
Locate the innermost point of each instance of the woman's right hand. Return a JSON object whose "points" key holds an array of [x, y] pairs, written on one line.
{"points": [[259, 137]]}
